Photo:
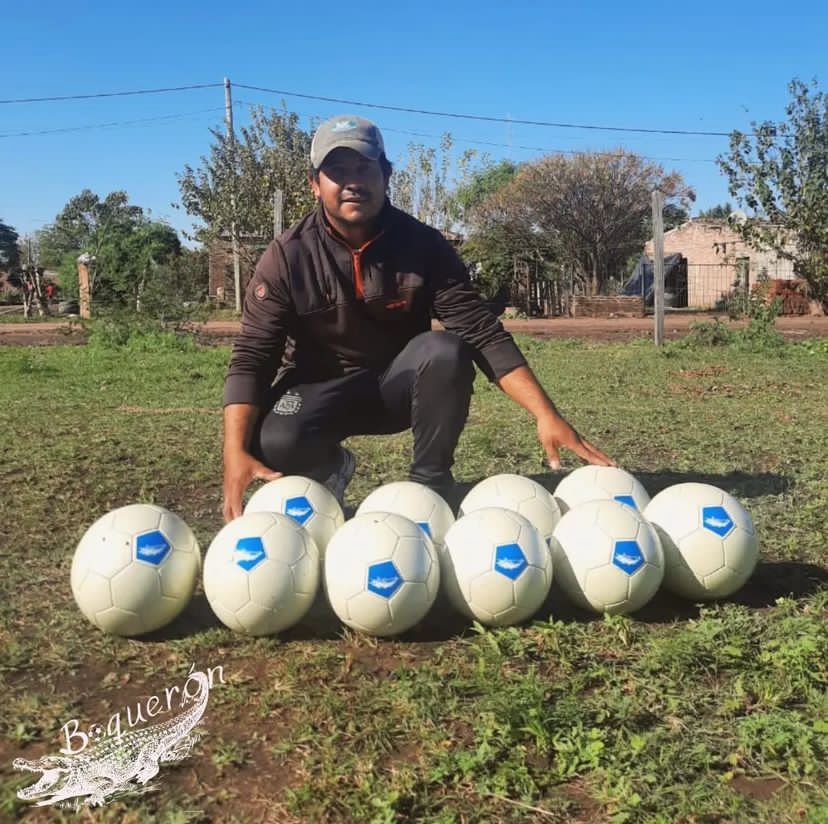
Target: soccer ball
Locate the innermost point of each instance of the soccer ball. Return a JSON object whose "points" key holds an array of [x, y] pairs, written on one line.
{"points": [[382, 573], [607, 557], [593, 483], [496, 566], [415, 501], [710, 544], [261, 573], [308, 502], [519, 494], [135, 569]]}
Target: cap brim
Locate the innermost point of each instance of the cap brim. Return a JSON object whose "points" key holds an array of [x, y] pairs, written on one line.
{"points": [[368, 150]]}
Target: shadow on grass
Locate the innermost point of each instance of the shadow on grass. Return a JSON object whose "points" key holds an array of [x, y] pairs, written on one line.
{"points": [[771, 580], [196, 619]]}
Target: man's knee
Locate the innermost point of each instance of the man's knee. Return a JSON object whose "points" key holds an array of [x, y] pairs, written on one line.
{"points": [[277, 440], [446, 352], [283, 445]]}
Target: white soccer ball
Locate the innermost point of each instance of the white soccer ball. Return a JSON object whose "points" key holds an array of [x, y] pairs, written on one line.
{"points": [[308, 502], [496, 566], [607, 557], [710, 544], [415, 501], [261, 573], [382, 573], [135, 569], [594, 483], [519, 494]]}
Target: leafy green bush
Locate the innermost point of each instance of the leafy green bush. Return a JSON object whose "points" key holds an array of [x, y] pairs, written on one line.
{"points": [[139, 333], [707, 333]]}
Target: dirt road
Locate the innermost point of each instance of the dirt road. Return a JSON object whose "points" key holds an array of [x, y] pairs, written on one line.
{"points": [[606, 329]]}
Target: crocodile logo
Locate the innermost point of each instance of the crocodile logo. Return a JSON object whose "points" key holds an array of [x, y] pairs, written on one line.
{"points": [[384, 579], [117, 764], [249, 552], [299, 509], [151, 547], [715, 519], [626, 560], [627, 556], [510, 561]]}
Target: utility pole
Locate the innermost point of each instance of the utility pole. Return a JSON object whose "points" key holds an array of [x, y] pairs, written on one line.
{"points": [[234, 239], [277, 213], [658, 265]]}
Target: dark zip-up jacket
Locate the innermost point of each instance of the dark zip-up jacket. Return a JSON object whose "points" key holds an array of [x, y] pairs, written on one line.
{"points": [[316, 305]]}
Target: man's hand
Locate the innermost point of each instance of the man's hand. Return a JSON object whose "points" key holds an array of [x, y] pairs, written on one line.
{"points": [[522, 386], [240, 470], [554, 432]]}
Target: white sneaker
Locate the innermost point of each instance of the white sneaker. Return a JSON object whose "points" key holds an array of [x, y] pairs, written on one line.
{"points": [[339, 479]]}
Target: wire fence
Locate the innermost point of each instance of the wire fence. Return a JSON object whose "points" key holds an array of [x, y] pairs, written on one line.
{"points": [[706, 287], [689, 286]]}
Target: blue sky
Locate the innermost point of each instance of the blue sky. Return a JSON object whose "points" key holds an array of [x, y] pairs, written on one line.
{"points": [[701, 67]]}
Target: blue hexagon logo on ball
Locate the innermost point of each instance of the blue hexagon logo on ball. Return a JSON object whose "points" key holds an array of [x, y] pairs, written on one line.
{"points": [[510, 560], [384, 579], [299, 508], [716, 519], [152, 547], [425, 528], [627, 556], [628, 500], [249, 553]]}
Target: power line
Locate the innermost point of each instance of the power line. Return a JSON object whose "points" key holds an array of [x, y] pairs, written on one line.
{"points": [[114, 123], [479, 117], [543, 149], [475, 141], [364, 104], [111, 94]]}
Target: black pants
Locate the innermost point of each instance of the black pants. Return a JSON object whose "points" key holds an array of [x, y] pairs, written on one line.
{"points": [[426, 388]]}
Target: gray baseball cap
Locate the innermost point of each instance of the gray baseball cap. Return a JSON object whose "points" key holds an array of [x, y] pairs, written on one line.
{"points": [[346, 131]]}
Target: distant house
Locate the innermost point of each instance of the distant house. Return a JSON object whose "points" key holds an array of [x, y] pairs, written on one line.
{"points": [[718, 261]]}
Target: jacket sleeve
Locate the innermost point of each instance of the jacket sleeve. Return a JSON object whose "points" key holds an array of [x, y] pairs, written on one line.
{"points": [[258, 349], [462, 311]]}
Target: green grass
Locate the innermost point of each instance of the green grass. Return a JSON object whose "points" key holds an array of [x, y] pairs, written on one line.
{"points": [[677, 714]]}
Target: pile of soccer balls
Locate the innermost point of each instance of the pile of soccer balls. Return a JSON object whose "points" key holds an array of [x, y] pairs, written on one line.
{"points": [[607, 545]]}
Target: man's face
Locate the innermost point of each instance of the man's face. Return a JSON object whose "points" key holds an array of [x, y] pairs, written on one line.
{"points": [[351, 187]]}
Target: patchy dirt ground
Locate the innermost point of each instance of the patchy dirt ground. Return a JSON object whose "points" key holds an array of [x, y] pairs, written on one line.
{"points": [[602, 329]]}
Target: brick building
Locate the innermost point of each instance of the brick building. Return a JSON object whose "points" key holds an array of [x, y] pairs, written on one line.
{"points": [[718, 260]]}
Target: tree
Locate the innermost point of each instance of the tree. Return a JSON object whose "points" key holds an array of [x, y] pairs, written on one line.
{"points": [[9, 250], [586, 213], [672, 215], [481, 185], [423, 186], [133, 256], [780, 173], [129, 250], [86, 224], [238, 181], [721, 211], [31, 280], [490, 247]]}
